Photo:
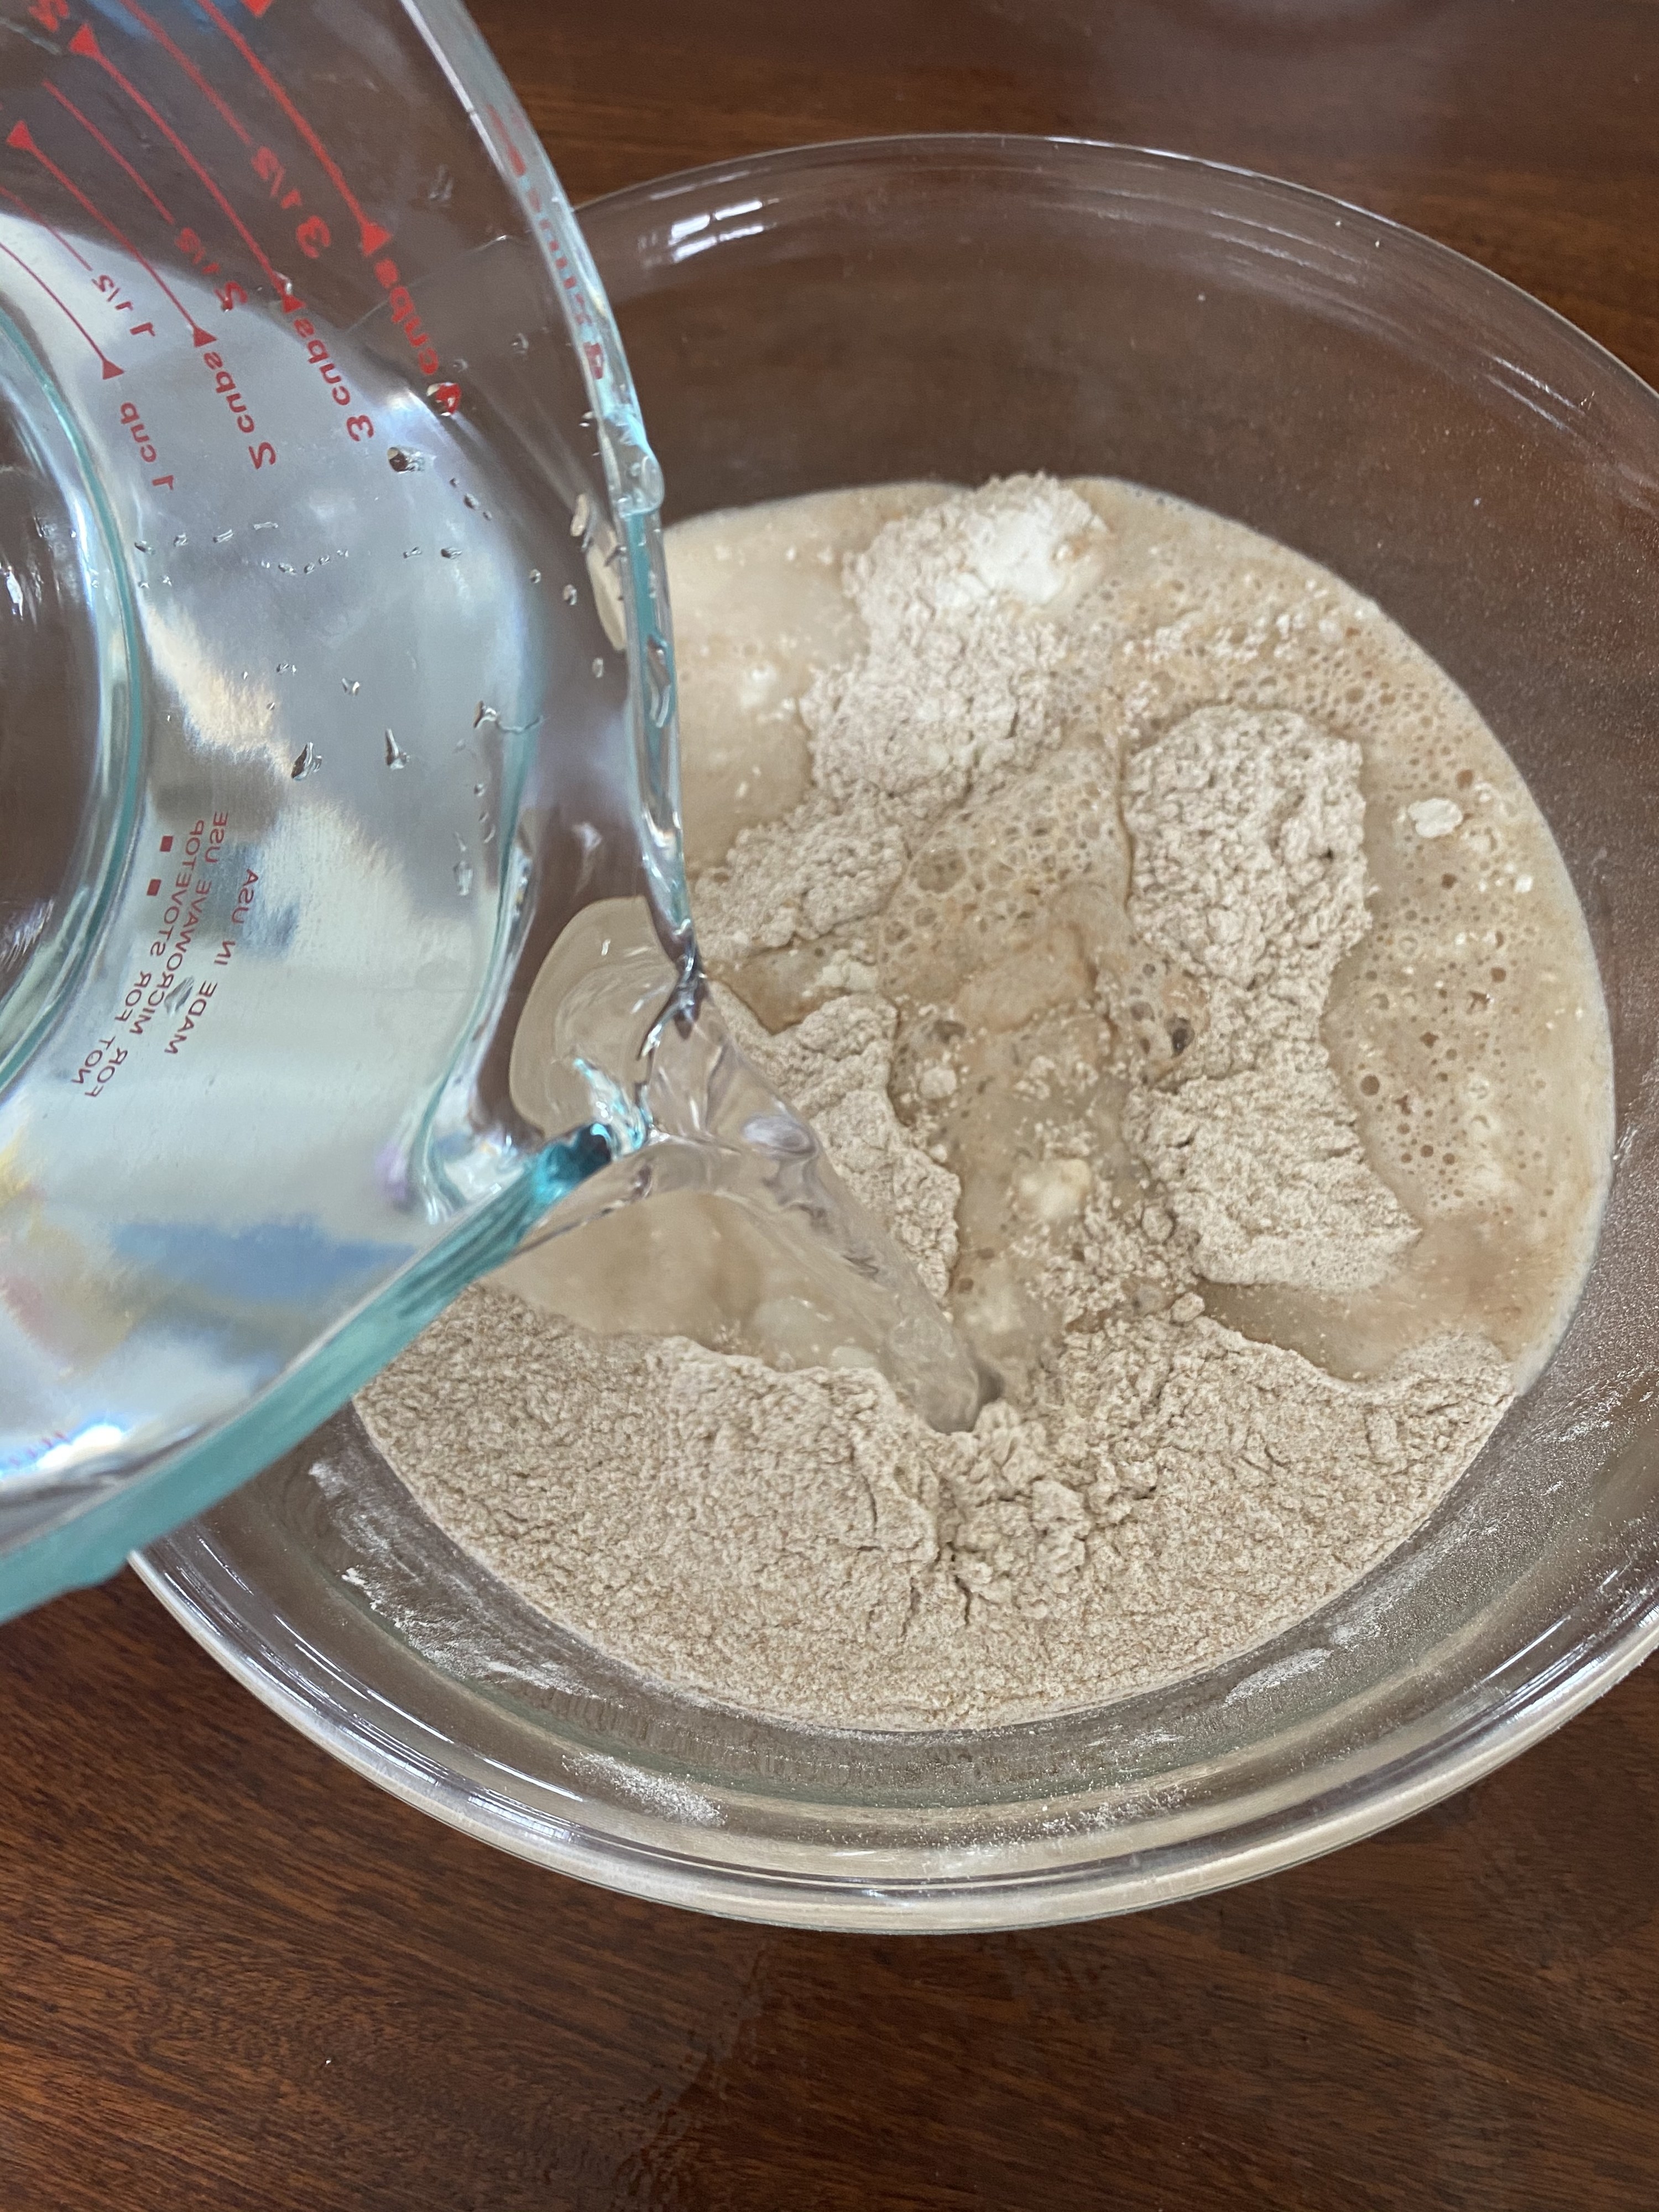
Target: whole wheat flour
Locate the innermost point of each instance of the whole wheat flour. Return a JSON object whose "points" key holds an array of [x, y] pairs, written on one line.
{"points": [[1044, 942]]}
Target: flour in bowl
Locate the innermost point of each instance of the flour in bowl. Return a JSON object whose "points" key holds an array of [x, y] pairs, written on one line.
{"points": [[1172, 961]]}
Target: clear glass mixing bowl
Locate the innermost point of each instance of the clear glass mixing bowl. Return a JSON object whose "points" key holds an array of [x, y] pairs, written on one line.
{"points": [[955, 307]]}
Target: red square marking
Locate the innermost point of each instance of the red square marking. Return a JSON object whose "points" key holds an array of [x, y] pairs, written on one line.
{"points": [[155, 886], [166, 844]]}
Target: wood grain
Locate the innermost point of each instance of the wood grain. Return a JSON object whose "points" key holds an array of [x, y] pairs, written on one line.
{"points": [[233, 1975]]}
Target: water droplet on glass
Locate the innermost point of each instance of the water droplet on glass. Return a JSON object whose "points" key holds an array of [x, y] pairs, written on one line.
{"points": [[304, 761], [571, 595], [535, 575], [402, 459], [395, 755], [461, 366], [181, 540], [645, 471], [521, 343], [264, 526], [285, 568], [484, 714], [349, 687], [779, 1135], [581, 516], [463, 871], [286, 667], [477, 791], [445, 552], [659, 679], [219, 536], [411, 552], [441, 188], [599, 664], [139, 546]]}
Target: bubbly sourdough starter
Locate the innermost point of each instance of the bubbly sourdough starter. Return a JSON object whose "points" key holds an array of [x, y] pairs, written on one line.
{"points": [[1172, 959]]}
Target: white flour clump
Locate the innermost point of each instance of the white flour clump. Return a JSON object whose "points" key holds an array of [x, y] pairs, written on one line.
{"points": [[1078, 1074], [953, 684], [1249, 871]]}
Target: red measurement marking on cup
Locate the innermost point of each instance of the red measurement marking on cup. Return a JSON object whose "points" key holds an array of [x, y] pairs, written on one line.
{"points": [[199, 257], [312, 235], [187, 887], [133, 422], [190, 70], [240, 914], [112, 291], [22, 136], [270, 171], [87, 46], [17, 200], [372, 236], [195, 1010], [513, 155], [98, 1069], [111, 368], [114, 152], [564, 270]]}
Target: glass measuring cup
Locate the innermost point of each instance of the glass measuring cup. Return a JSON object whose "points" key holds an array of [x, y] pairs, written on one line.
{"points": [[327, 546], [343, 923]]}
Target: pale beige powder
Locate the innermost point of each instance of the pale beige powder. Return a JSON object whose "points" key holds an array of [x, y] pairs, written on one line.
{"points": [[1087, 952]]}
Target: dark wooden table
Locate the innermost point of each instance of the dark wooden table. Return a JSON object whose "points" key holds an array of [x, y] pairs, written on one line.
{"points": [[232, 1975]]}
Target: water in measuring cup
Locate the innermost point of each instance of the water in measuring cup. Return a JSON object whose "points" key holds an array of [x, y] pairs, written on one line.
{"points": [[349, 742]]}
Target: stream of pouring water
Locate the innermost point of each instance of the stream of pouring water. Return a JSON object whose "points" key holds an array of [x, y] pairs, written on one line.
{"points": [[807, 1278]]}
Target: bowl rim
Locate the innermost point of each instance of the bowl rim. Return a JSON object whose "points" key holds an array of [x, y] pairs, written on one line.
{"points": [[956, 1903], [1349, 1809], [926, 144]]}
